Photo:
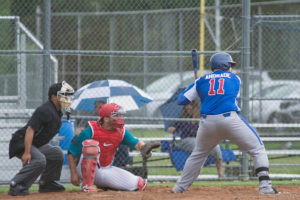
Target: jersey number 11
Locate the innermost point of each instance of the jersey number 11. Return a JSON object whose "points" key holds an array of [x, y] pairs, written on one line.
{"points": [[212, 86]]}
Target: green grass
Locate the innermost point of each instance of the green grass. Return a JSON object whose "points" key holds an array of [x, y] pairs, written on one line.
{"points": [[268, 145], [273, 159], [152, 133], [35, 188], [148, 133], [228, 183], [173, 171], [208, 170], [4, 189]]}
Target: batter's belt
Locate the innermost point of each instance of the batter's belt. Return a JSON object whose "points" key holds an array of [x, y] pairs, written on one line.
{"points": [[227, 114]]}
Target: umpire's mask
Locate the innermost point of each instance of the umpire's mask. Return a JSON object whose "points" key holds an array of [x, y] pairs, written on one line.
{"points": [[65, 95]]}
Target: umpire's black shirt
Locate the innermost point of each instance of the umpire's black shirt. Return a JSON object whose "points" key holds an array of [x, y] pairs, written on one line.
{"points": [[45, 121]]}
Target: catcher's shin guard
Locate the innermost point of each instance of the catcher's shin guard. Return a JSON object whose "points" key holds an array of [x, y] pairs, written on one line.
{"points": [[90, 152], [142, 184]]}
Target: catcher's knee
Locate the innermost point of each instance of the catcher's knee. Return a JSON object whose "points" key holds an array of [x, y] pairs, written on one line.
{"points": [[142, 184], [90, 148]]}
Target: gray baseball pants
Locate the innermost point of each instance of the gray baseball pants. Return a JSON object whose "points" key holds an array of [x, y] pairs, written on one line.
{"points": [[212, 130], [189, 143], [46, 161]]}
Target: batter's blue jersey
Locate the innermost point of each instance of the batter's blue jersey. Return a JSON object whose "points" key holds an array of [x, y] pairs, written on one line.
{"points": [[218, 93]]}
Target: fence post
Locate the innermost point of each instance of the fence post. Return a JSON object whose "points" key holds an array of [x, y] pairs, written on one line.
{"points": [[18, 47], [112, 31], [244, 175], [47, 47], [23, 77], [145, 30], [218, 21], [38, 22], [79, 48]]}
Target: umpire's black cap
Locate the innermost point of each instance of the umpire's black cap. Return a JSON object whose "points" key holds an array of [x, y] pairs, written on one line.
{"points": [[54, 89]]}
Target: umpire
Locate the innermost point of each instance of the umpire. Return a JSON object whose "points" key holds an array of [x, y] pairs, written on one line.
{"points": [[30, 144]]}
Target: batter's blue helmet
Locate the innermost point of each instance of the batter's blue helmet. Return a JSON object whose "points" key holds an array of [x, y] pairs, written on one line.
{"points": [[222, 61]]}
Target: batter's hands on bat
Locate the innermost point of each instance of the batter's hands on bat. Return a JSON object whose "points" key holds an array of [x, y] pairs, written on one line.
{"points": [[147, 148]]}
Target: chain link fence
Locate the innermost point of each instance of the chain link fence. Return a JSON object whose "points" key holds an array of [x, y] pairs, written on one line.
{"points": [[148, 44]]}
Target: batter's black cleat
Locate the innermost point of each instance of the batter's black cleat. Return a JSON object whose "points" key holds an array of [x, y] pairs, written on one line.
{"points": [[17, 189], [50, 186]]}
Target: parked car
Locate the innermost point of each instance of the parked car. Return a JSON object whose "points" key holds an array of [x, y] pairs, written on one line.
{"points": [[289, 111], [270, 106], [289, 107], [162, 89]]}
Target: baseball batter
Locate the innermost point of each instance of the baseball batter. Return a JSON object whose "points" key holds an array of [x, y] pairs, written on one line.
{"points": [[220, 119], [95, 148]]}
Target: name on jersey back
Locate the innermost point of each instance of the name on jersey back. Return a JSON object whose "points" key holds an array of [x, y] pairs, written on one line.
{"points": [[210, 76]]}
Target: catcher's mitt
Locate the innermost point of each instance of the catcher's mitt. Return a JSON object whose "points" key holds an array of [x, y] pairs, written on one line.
{"points": [[147, 148]]}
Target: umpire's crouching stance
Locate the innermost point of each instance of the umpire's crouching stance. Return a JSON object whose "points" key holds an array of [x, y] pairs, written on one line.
{"points": [[30, 144]]}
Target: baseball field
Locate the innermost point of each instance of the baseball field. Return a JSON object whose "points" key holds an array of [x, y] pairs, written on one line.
{"points": [[161, 191]]}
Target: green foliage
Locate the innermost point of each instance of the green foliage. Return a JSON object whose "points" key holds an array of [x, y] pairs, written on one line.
{"points": [[5, 7]]}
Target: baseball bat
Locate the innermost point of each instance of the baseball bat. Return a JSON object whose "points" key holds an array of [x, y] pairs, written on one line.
{"points": [[195, 62]]}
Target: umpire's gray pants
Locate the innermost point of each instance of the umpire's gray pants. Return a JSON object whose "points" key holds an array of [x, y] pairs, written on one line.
{"points": [[46, 161]]}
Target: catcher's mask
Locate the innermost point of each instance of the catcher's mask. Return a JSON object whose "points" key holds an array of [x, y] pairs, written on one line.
{"points": [[115, 112], [65, 95]]}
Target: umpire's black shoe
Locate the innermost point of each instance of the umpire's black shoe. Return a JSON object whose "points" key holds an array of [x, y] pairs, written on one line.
{"points": [[50, 186], [17, 190]]}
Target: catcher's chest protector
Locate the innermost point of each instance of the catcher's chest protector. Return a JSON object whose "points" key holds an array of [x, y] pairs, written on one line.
{"points": [[90, 151], [109, 142]]}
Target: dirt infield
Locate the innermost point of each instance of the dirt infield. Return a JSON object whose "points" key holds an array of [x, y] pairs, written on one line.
{"points": [[163, 193]]}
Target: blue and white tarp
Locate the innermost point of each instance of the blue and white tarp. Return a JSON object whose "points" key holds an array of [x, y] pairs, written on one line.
{"points": [[120, 92]]}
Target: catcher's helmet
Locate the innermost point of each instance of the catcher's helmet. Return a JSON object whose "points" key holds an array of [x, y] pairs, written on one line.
{"points": [[114, 111], [222, 61]]}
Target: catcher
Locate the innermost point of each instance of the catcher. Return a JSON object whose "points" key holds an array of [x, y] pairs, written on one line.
{"points": [[95, 147]]}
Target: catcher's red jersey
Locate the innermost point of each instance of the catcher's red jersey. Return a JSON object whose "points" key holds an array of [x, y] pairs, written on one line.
{"points": [[109, 141]]}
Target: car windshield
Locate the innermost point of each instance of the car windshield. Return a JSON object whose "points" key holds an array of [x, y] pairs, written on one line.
{"points": [[275, 91], [164, 83], [272, 91], [281, 92], [170, 83], [265, 89]]}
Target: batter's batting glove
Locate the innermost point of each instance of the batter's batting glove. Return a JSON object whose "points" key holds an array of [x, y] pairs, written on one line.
{"points": [[147, 148]]}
